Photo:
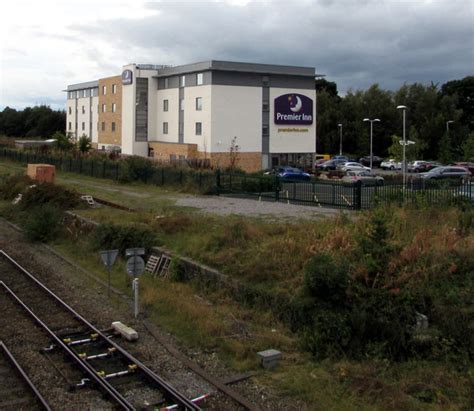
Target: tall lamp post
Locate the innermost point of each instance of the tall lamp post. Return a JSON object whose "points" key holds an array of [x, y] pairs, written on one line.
{"points": [[447, 125], [404, 145], [371, 134], [340, 138]]}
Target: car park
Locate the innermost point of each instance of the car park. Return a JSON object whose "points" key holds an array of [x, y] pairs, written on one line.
{"points": [[465, 164], [376, 161], [291, 173], [446, 172], [353, 166], [391, 164], [366, 177], [418, 166], [344, 158]]}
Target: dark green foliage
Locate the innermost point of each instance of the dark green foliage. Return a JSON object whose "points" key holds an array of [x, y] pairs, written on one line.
{"points": [[326, 279], [84, 144], [110, 236], [43, 223], [13, 185], [63, 142], [136, 168], [39, 121], [47, 193]]}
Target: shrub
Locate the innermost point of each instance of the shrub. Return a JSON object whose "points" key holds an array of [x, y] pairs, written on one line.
{"points": [[13, 185], [136, 168], [110, 236], [43, 223], [47, 193]]}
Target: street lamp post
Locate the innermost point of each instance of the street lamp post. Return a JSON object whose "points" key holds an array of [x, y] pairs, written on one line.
{"points": [[371, 134], [404, 163], [340, 138], [447, 125]]}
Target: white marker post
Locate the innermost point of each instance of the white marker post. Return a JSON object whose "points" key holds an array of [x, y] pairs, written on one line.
{"points": [[135, 288]]}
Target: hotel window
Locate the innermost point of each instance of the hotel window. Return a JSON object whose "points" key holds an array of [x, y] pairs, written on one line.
{"points": [[265, 105], [70, 111], [84, 93], [198, 103], [199, 79], [181, 104], [114, 88], [165, 105], [167, 82], [114, 107], [83, 126], [113, 127], [103, 126], [92, 108], [165, 128], [104, 108], [104, 90], [70, 126], [198, 129], [265, 129], [265, 80], [182, 81], [83, 110]]}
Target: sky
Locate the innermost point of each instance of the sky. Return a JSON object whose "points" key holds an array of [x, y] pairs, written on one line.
{"points": [[46, 45]]}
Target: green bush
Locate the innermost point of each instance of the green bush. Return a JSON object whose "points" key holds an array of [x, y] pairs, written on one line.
{"points": [[136, 168], [110, 236], [13, 185], [43, 223], [47, 193]]}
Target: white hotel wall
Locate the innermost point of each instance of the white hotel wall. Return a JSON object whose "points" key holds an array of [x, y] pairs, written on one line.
{"points": [[71, 118], [171, 116], [236, 112], [292, 142], [192, 116]]}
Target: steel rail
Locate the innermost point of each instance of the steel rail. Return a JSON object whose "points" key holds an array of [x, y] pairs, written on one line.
{"points": [[25, 377], [83, 365], [169, 391]]}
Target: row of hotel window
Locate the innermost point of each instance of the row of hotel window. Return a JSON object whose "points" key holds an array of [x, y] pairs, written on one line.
{"points": [[198, 127], [92, 92], [104, 109], [102, 126]]}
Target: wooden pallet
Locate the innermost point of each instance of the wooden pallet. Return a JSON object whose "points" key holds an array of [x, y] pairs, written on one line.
{"points": [[152, 264]]}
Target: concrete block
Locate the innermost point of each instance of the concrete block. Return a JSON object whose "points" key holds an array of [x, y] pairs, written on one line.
{"points": [[125, 331], [270, 358]]}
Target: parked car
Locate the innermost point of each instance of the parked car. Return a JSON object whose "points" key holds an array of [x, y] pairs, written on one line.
{"points": [[345, 158], [331, 164], [365, 176], [417, 166], [391, 164], [376, 161], [465, 164], [445, 172], [291, 173], [353, 166]]}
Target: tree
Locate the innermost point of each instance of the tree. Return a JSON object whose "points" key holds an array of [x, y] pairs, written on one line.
{"points": [[233, 154], [84, 144], [468, 148], [63, 142]]}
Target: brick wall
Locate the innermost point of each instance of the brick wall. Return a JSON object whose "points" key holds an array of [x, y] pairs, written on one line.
{"points": [[163, 151], [108, 136], [249, 162]]}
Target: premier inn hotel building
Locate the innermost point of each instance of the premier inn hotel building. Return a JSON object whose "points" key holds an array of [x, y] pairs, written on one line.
{"points": [[195, 111]]}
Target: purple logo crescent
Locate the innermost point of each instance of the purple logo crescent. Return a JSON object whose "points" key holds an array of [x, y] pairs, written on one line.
{"points": [[127, 77], [293, 109]]}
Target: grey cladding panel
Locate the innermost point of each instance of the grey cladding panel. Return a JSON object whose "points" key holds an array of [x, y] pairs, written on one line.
{"points": [[173, 82], [141, 110], [229, 78]]}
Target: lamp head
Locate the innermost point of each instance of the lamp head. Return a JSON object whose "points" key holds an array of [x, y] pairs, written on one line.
{"points": [[365, 119], [401, 107]]}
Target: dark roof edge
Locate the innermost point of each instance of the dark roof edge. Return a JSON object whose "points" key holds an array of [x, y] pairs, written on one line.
{"points": [[81, 86]]}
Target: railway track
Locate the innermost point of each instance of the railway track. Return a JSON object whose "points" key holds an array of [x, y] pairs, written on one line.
{"points": [[17, 391], [103, 364]]}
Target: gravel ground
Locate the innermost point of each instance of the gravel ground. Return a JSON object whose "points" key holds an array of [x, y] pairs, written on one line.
{"points": [[253, 208]]}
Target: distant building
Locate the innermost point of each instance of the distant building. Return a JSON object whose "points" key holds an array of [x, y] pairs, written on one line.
{"points": [[196, 110]]}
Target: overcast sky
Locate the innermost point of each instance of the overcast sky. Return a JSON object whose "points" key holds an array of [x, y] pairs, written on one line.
{"points": [[46, 45]]}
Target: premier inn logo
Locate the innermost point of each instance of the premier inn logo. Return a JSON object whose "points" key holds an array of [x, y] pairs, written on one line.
{"points": [[293, 109], [127, 77]]}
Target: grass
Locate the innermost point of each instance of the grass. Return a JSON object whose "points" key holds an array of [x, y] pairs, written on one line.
{"points": [[273, 256]]}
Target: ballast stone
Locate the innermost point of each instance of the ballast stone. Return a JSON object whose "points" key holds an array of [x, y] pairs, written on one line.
{"points": [[270, 358], [125, 331]]}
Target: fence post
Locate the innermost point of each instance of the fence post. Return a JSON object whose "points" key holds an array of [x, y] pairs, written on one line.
{"points": [[116, 170], [218, 180], [92, 168], [358, 195], [200, 180], [103, 168], [277, 188], [80, 165]]}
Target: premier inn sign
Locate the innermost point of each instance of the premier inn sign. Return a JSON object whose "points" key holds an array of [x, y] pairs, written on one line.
{"points": [[127, 77], [293, 109]]}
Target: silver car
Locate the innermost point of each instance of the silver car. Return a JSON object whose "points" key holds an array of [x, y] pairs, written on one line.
{"points": [[445, 172], [366, 177]]}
